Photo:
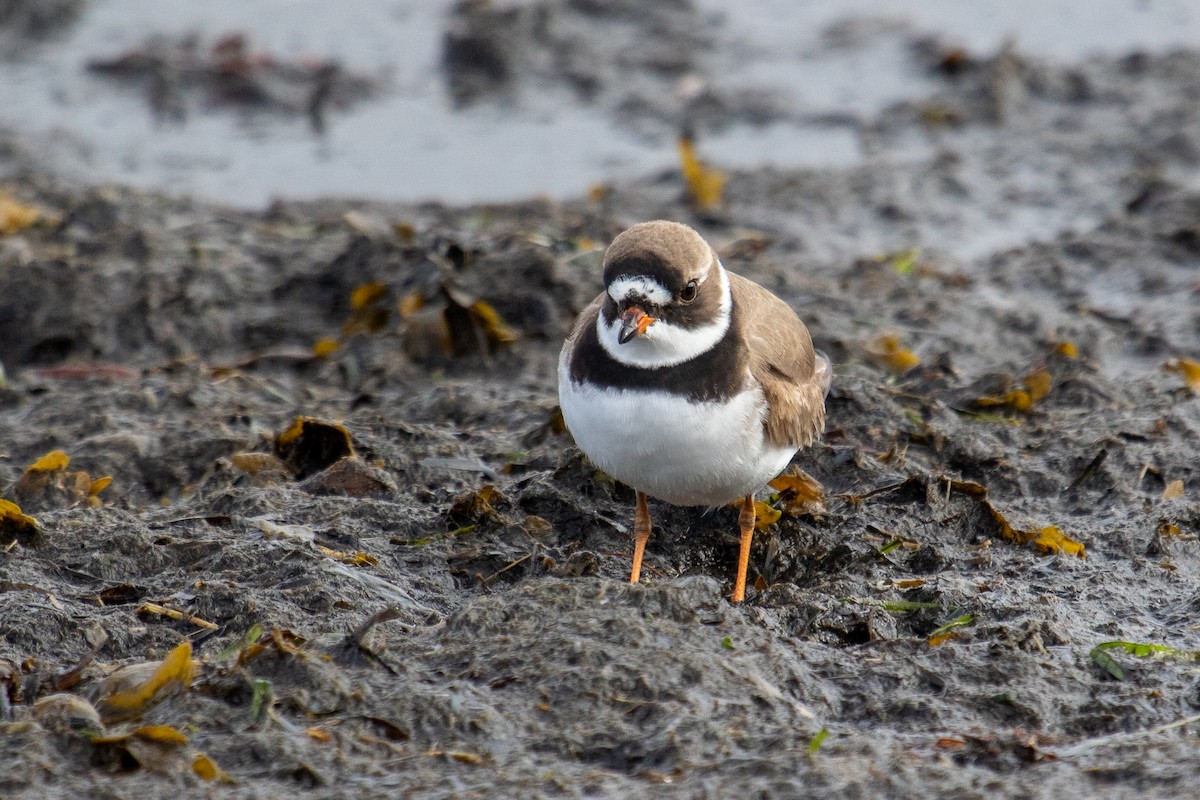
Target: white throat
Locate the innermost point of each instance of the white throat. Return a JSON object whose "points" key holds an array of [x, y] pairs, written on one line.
{"points": [[664, 344]]}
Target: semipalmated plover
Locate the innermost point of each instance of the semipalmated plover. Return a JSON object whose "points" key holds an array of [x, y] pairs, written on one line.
{"points": [[687, 382]]}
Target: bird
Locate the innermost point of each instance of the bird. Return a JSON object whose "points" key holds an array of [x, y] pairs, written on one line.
{"points": [[687, 382]]}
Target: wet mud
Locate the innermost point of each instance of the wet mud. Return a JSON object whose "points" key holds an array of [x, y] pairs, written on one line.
{"points": [[430, 600]]}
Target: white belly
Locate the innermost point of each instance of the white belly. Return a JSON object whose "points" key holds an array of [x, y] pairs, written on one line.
{"points": [[689, 454]]}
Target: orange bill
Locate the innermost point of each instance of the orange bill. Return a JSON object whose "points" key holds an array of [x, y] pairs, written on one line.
{"points": [[634, 322]]}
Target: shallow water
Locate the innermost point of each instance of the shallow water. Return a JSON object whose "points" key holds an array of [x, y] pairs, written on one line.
{"points": [[820, 58]]}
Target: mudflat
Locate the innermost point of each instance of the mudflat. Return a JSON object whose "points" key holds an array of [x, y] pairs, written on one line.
{"points": [[338, 474]]}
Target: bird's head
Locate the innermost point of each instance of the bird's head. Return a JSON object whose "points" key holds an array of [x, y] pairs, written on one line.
{"points": [[668, 296]]}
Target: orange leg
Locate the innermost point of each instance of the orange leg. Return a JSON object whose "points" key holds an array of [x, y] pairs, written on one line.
{"points": [[746, 523], [641, 532]]}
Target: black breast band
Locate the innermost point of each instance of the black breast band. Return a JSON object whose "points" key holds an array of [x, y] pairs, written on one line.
{"points": [[717, 374]]}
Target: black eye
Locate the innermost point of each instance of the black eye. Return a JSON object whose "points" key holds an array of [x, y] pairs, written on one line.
{"points": [[688, 293]]}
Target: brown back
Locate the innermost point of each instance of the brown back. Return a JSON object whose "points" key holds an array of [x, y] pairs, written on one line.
{"points": [[794, 379]]}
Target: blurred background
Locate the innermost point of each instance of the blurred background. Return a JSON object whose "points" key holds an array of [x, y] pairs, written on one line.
{"points": [[413, 100]]}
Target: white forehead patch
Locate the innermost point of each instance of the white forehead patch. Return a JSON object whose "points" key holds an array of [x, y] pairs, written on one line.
{"points": [[648, 288]]}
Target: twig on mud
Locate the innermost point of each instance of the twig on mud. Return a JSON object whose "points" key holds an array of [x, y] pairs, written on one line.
{"points": [[619, 527], [355, 644], [386, 615], [264, 385], [984, 416], [1113, 738], [488, 580], [896, 606], [921, 399], [889, 487], [163, 611], [75, 573], [63, 681], [377, 586], [286, 354], [461, 465], [1089, 471], [211, 519]]}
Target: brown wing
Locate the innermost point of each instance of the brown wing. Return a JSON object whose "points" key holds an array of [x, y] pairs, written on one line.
{"points": [[586, 318], [793, 376]]}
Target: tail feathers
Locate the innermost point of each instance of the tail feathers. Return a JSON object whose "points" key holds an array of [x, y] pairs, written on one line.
{"points": [[823, 372]]}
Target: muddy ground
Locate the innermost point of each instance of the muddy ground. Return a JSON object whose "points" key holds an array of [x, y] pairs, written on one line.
{"points": [[1028, 209]]}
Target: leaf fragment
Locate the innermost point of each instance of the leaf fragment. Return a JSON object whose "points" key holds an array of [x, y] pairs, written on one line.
{"points": [[1173, 490], [243, 645], [404, 231], [887, 351], [353, 559], [941, 638], [53, 461], [16, 524], [1100, 655], [908, 583], [68, 715], [890, 545], [801, 493], [206, 769], [481, 505], [950, 743], [287, 641], [369, 310], [38, 476], [765, 515], [814, 744], [1035, 386], [497, 332], [310, 445], [411, 303], [325, 346], [1169, 529], [1048, 540], [366, 294], [704, 183], [1066, 349], [905, 606], [256, 463], [16, 216], [1038, 383], [1016, 398], [905, 261], [1051, 540], [944, 633], [47, 484], [174, 673], [1146, 649], [163, 734], [1188, 370], [260, 700]]}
